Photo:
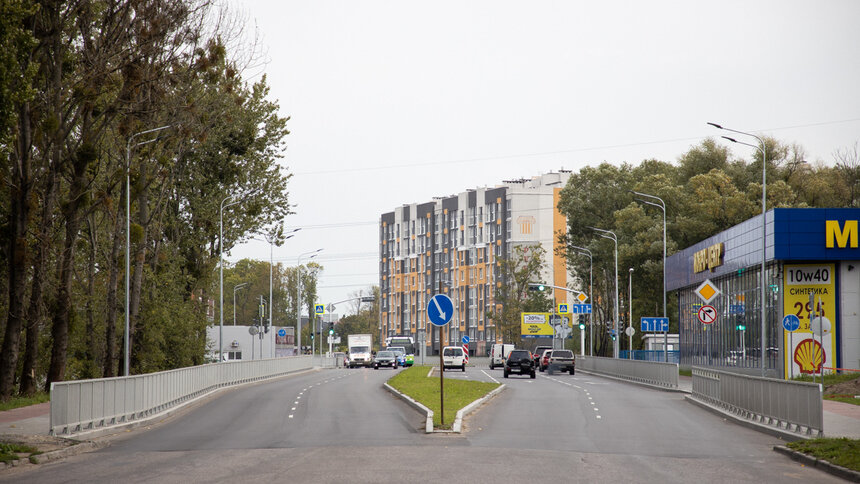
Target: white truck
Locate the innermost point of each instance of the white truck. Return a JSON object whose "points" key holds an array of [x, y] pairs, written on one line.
{"points": [[359, 348]]}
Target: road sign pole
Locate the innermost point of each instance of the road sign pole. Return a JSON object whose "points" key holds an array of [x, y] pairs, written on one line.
{"points": [[441, 373]]}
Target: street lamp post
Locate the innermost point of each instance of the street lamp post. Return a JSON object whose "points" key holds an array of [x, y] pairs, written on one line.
{"points": [[237, 286], [587, 252], [270, 239], [763, 150], [630, 316], [241, 198], [661, 206], [613, 238], [128, 148], [312, 254]]}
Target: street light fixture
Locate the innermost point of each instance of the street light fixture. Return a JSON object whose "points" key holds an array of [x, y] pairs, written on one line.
{"points": [[237, 286], [128, 148], [661, 206], [613, 238], [271, 240], [312, 254], [583, 250], [237, 198], [763, 150]]}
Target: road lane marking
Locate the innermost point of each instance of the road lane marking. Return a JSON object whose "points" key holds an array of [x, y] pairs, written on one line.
{"points": [[490, 376]]}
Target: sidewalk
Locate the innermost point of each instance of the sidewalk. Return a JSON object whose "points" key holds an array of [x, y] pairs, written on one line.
{"points": [[840, 419], [32, 420]]}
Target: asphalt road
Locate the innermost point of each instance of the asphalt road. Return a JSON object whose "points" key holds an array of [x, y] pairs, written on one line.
{"points": [[341, 426]]}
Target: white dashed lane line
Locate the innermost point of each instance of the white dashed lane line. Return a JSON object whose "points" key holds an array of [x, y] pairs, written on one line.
{"points": [[587, 393], [299, 396]]}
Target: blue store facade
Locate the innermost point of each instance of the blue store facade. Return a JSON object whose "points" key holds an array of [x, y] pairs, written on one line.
{"points": [[812, 273]]}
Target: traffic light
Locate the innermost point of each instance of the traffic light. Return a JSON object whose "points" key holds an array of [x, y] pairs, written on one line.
{"points": [[536, 287], [581, 326], [613, 335], [741, 327], [331, 329]]}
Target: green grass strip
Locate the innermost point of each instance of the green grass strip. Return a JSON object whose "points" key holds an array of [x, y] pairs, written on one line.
{"points": [[458, 393], [18, 402], [10, 452], [842, 452]]}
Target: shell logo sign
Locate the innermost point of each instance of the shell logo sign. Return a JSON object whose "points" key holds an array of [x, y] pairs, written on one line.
{"points": [[810, 294], [809, 356]]}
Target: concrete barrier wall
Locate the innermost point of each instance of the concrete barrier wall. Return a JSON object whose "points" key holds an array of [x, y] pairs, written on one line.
{"points": [[651, 372], [786, 405], [78, 406]]}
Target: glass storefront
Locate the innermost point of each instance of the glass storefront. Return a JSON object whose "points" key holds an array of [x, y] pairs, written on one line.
{"points": [[734, 339]]}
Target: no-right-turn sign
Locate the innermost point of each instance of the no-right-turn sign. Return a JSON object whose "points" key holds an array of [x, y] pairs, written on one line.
{"points": [[707, 314]]}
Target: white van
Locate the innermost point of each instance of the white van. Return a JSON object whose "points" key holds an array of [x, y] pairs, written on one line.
{"points": [[454, 357], [498, 354]]}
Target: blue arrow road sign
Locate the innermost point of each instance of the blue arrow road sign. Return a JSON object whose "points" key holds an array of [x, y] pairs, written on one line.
{"points": [[580, 308], [282, 332], [440, 309], [653, 325], [465, 340], [790, 322]]}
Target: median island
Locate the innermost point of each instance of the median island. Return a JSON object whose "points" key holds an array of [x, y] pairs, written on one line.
{"points": [[424, 389]]}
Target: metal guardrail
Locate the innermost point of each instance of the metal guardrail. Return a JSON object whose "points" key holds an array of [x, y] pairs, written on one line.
{"points": [[787, 405], [674, 356], [78, 406], [651, 372]]}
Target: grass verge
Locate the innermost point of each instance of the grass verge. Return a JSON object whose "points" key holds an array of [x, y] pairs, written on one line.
{"points": [[18, 402], [13, 452], [684, 372], [458, 393], [842, 452]]}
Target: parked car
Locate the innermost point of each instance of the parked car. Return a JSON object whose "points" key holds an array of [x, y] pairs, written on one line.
{"points": [[385, 358], [454, 357], [520, 361], [538, 352], [543, 361], [561, 360]]}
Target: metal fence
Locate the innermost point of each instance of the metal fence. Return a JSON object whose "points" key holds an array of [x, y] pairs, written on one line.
{"points": [[78, 406], [787, 405], [652, 355], [650, 372]]}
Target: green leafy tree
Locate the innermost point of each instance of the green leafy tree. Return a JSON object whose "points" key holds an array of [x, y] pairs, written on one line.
{"points": [[513, 297]]}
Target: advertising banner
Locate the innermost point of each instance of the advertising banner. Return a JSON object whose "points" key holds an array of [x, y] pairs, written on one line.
{"points": [[807, 351], [536, 325]]}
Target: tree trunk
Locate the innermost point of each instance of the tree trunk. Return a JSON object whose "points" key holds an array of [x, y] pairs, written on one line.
{"points": [[112, 298], [35, 314], [19, 219], [63, 306]]}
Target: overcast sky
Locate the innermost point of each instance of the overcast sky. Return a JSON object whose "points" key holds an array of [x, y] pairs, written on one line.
{"points": [[395, 102]]}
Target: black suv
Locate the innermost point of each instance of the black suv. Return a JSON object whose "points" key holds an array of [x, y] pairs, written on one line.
{"points": [[520, 361], [561, 360]]}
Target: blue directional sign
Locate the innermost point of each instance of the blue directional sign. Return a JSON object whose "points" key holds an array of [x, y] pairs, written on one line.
{"points": [[465, 339], [736, 308], [440, 310], [282, 332], [653, 325], [790, 322], [580, 308]]}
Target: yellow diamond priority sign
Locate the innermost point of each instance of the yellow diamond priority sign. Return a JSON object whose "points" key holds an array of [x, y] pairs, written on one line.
{"points": [[582, 297], [707, 291]]}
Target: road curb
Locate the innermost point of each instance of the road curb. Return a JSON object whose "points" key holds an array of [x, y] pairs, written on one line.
{"points": [[776, 432], [457, 427], [826, 466], [428, 423], [463, 412]]}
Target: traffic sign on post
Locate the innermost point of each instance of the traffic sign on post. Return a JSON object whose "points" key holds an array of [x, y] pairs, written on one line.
{"points": [[562, 308], [440, 310], [580, 308], [653, 325], [790, 322], [707, 314], [319, 308]]}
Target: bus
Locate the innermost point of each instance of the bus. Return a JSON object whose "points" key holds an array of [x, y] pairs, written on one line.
{"points": [[405, 341]]}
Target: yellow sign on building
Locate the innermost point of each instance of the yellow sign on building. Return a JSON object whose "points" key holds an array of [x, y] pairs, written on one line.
{"points": [[806, 352]]}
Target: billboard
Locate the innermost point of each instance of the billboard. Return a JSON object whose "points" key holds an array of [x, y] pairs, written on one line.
{"points": [[536, 325], [808, 351]]}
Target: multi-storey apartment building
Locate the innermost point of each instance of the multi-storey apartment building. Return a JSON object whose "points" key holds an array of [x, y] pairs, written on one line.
{"points": [[451, 244]]}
